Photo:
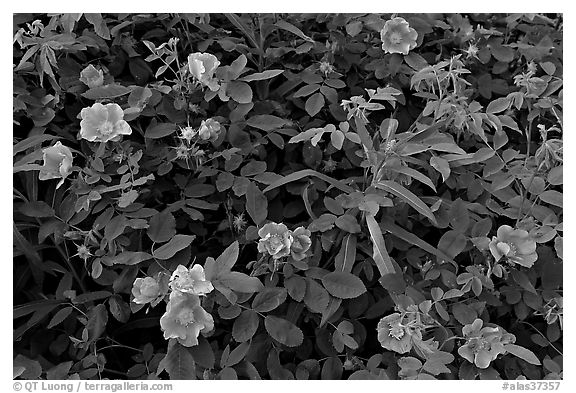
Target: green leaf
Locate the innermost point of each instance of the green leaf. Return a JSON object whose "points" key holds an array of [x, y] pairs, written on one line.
{"points": [[31, 142], [269, 299], [177, 243], [410, 238], [309, 172], [296, 287], [314, 104], [306, 90], [115, 227], [499, 105], [345, 259], [162, 227], [380, 254], [316, 298], [238, 354], [97, 320], [99, 24], [32, 368], [59, 317], [464, 313], [415, 175], [452, 243], [240, 282], [106, 92], [283, 331], [256, 204], [552, 197], [130, 258], [522, 353], [178, 362], [228, 258], [245, 326], [237, 66], [343, 285], [348, 223], [267, 122], [259, 76], [239, 92], [159, 130], [441, 165], [36, 209], [401, 192], [293, 29]]}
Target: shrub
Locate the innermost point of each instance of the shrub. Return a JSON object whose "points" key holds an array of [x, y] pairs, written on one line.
{"points": [[288, 196]]}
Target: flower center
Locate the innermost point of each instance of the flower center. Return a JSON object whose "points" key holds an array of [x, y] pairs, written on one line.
{"points": [[185, 317], [150, 290], [107, 128], [276, 243], [396, 331], [395, 38]]}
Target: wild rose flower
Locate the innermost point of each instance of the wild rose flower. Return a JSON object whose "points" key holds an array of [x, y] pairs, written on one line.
{"points": [[102, 123], [57, 163], [202, 67], [148, 290], [92, 77], [483, 344], [185, 319], [398, 37], [191, 281], [276, 240], [515, 244], [301, 243], [209, 130], [393, 335]]}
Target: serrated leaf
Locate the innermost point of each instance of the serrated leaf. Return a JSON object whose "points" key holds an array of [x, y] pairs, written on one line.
{"points": [[296, 287], [238, 354], [283, 331], [316, 297], [343, 285], [245, 326], [268, 299]]}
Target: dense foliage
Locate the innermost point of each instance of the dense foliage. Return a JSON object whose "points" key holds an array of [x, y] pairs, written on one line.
{"points": [[287, 196]]}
